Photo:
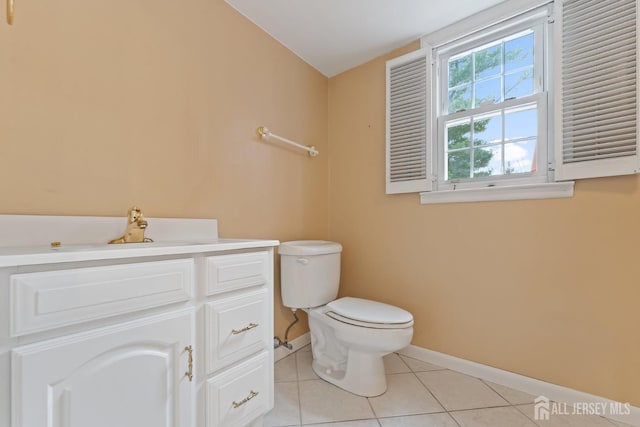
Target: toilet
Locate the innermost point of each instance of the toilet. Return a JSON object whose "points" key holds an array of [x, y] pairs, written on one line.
{"points": [[349, 336]]}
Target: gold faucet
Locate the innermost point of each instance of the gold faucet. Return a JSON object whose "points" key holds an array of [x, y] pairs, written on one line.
{"points": [[136, 224]]}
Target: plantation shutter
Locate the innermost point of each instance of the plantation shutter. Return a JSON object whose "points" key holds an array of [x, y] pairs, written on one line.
{"points": [[408, 132], [596, 109]]}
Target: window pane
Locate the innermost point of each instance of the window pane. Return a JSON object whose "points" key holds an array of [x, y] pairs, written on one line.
{"points": [[501, 140], [518, 84], [460, 71], [460, 99], [488, 62], [487, 129], [518, 52], [459, 164], [487, 161], [488, 91], [521, 123], [519, 157], [459, 135]]}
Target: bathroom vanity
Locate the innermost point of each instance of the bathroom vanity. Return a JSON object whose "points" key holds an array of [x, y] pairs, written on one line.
{"points": [[175, 333]]}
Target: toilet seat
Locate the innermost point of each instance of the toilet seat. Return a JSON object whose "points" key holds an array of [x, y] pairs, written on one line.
{"points": [[368, 314]]}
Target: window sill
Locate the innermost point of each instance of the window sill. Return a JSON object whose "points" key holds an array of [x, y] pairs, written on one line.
{"points": [[551, 190]]}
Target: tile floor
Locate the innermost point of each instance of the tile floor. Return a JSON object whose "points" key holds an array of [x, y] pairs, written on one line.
{"points": [[418, 395]]}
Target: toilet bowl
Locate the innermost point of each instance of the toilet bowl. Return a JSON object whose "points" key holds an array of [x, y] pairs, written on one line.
{"points": [[349, 336], [348, 351]]}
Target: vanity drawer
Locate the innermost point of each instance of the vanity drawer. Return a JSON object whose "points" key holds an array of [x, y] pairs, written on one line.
{"points": [[237, 396], [51, 299], [236, 271], [236, 327]]}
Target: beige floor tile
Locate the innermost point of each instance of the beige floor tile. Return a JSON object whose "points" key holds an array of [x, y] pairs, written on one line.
{"points": [[321, 402], [285, 369], [393, 364], [456, 391], [426, 420], [619, 423], [305, 372], [302, 399], [405, 395], [515, 397], [359, 423], [419, 366], [286, 410], [492, 417], [566, 420]]}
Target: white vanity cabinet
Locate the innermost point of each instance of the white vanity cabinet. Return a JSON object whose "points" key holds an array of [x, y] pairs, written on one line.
{"points": [[176, 335]]}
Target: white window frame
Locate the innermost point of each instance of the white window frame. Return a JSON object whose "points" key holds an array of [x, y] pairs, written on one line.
{"points": [[493, 24], [537, 21], [539, 98]]}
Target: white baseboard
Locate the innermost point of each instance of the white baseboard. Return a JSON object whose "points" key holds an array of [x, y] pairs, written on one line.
{"points": [[297, 343], [519, 382]]}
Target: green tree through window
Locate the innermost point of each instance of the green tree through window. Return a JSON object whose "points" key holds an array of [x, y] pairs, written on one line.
{"points": [[489, 75], [459, 157]]}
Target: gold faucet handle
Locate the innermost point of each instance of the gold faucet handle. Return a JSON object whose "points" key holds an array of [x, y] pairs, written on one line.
{"points": [[136, 224]]}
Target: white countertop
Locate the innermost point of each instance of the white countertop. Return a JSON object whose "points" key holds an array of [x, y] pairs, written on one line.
{"points": [[25, 239], [31, 255]]}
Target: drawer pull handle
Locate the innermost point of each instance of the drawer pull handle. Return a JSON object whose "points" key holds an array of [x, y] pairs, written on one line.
{"points": [[246, 399], [245, 329], [189, 373]]}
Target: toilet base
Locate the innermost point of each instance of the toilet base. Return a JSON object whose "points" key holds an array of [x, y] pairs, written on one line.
{"points": [[365, 374]]}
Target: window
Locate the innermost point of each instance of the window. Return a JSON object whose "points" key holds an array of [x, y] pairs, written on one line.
{"points": [[509, 101], [493, 101]]}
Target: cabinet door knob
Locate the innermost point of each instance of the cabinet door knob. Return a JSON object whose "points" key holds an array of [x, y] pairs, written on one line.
{"points": [[245, 329], [189, 373], [246, 399]]}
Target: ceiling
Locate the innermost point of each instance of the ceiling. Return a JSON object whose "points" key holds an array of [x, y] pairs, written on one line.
{"points": [[336, 35]]}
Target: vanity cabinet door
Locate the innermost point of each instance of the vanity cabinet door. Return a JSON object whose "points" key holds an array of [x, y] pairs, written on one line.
{"points": [[128, 375]]}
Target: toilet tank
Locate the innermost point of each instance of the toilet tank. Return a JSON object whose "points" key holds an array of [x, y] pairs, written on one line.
{"points": [[309, 272]]}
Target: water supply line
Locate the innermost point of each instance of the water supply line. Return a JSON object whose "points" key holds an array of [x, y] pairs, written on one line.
{"points": [[277, 342]]}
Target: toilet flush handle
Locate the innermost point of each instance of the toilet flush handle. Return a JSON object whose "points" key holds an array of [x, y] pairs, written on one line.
{"points": [[303, 261]]}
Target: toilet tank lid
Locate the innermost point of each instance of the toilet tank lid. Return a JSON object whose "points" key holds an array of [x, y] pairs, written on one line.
{"points": [[369, 311], [309, 247]]}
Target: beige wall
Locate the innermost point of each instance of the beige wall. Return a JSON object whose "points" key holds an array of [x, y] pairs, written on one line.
{"points": [[545, 288], [156, 103], [108, 104]]}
